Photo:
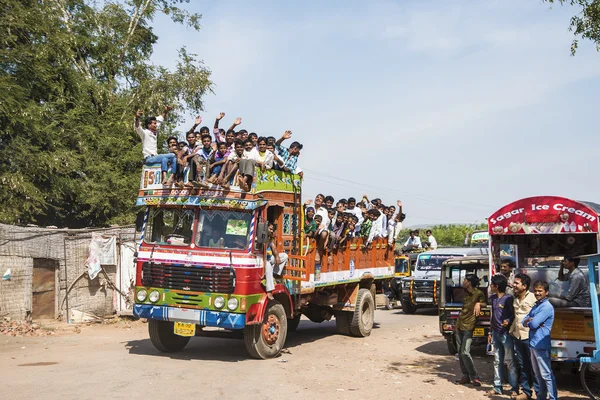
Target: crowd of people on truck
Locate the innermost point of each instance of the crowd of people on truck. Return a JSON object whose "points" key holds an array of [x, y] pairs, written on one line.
{"points": [[332, 227], [520, 327], [215, 159]]}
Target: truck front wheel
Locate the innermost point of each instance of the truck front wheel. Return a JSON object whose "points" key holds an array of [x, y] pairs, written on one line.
{"points": [[163, 338], [408, 308], [267, 339]]}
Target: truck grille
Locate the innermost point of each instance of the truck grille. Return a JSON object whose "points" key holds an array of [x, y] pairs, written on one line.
{"points": [[192, 278]]}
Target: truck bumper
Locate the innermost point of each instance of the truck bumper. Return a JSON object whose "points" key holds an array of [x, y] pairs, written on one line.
{"points": [[218, 319]]}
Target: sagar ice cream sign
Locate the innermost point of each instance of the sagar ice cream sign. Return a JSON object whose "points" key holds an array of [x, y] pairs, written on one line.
{"points": [[543, 215]]}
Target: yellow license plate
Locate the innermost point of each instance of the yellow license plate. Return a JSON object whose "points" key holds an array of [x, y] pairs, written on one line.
{"points": [[478, 332], [184, 329]]}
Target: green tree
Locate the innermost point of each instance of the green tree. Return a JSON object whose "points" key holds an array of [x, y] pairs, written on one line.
{"points": [[72, 74], [447, 235], [586, 23]]}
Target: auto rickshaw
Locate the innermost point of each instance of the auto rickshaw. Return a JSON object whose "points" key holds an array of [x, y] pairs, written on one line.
{"points": [[452, 293]]}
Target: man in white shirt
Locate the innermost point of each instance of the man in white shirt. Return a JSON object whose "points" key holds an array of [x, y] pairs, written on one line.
{"points": [[323, 229], [149, 148], [432, 242], [352, 209], [413, 242]]}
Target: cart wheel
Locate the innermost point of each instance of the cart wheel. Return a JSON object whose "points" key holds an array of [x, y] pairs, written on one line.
{"points": [[590, 379], [163, 338]]}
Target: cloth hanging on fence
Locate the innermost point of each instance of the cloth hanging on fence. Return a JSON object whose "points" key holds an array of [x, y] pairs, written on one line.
{"points": [[103, 251]]}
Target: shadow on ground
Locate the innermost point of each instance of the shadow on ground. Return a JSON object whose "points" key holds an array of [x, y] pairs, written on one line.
{"points": [[233, 350], [446, 366]]}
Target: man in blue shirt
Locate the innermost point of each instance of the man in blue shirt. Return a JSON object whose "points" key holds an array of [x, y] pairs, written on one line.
{"points": [[503, 315], [539, 321]]}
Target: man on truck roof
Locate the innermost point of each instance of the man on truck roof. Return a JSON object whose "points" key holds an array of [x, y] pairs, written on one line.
{"points": [[578, 294], [148, 134]]}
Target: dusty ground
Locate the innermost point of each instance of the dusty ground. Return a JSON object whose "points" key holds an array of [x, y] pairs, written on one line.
{"points": [[404, 358]]}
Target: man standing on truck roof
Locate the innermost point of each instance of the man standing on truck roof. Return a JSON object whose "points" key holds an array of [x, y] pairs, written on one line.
{"points": [[473, 300], [539, 321], [523, 302], [578, 294], [503, 315]]}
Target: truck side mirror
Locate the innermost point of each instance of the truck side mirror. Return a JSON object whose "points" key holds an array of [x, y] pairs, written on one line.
{"points": [[262, 232]]}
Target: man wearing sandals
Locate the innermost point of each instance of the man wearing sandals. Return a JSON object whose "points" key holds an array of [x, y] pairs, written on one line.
{"points": [[149, 134], [473, 301]]}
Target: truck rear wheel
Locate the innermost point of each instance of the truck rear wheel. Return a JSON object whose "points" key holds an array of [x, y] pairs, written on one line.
{"points": [[364, 314], [163, 338], [408, 308], [267, 339], [343, 319], [451, 343]]}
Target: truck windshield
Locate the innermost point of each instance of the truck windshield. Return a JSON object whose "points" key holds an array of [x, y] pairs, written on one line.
{"points": [[170, 226], [223, 229], [433, 262]]}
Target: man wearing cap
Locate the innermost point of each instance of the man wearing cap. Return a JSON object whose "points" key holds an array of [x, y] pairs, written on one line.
{"points": [[578, 294]]}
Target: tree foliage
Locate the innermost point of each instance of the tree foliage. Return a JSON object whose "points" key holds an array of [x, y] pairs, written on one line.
{"points": [[586, 23], [72, 74], [447, 235]]}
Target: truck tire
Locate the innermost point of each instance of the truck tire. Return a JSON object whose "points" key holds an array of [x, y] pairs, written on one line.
{"points": [[163, 338], [343, 319], [364, 314], [267, 339], [292, 323], [451, 343], [408, 308]]}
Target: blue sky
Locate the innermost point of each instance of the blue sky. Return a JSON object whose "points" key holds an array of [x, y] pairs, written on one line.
{"points": [[456, 108]]}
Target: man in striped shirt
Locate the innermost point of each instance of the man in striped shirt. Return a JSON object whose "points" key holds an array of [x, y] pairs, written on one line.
{"points": [[289, 156]]}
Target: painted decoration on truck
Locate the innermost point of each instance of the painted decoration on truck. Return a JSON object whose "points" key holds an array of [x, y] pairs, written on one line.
{"points": [[268, 180], [545, 215]]}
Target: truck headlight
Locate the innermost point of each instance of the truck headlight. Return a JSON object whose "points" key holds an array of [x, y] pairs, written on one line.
{"points": [[219, 302], [141, 295], [232, 304], [154, 296]]}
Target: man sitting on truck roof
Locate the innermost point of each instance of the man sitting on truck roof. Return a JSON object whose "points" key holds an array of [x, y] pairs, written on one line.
{"points": [[148, 134], [231, 166], [578, 294]]}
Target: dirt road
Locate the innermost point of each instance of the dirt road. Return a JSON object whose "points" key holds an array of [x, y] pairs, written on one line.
{"points": [[404, 358]]}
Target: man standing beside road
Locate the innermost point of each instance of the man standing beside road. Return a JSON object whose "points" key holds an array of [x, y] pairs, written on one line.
{"points": [[539, 321], [579, 286], [523, 302], [473, 300], [502, 317]]}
